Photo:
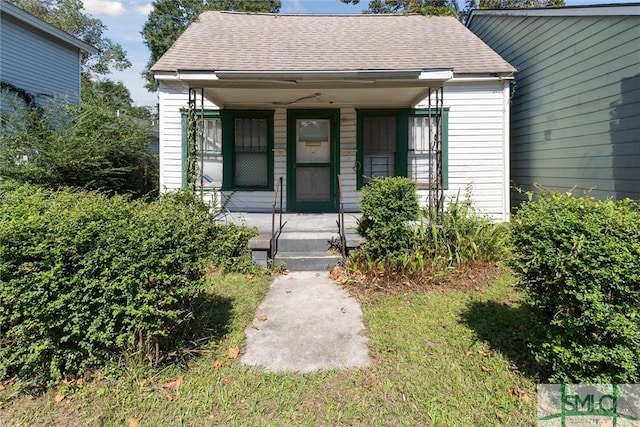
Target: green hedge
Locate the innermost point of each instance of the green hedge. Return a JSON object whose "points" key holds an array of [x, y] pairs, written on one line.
{"points": [[579, 261], [85, 278], [388, 206]]}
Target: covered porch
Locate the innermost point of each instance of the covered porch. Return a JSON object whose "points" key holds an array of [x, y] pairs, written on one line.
{"points": [[246, 130]]}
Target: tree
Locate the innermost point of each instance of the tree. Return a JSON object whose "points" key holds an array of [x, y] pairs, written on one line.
{"points": [[169, 18], [69, 16], [425, 7], [450, 7], [111, 95], [88, 147]]}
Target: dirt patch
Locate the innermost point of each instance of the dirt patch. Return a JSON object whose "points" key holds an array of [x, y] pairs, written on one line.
{"points": [[470, 277]]}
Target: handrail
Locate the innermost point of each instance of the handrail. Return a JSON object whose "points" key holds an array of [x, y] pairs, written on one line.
{"points": [[276, 234], [343, 237]]}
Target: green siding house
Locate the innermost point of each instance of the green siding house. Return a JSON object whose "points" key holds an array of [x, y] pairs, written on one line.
{"points": [[576, 101]]}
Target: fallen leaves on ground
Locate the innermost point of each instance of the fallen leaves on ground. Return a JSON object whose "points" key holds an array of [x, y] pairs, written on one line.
{"points": [[218, 364], [234, 352], [262, 318], [133, 422], [59, 397], [253, 325], [486, 368], [173, 385], [515, 391]]}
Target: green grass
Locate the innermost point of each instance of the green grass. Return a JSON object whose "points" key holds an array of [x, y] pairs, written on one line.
{"points": [[428, 353]]}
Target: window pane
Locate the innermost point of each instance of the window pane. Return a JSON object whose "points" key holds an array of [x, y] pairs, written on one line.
{"points": [[209, 162], [212, 135], [251, 161], [379, 146], [422, 157]]}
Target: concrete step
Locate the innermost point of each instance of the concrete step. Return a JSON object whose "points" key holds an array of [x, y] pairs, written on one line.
{"points": [[316, 241], [306, 261]]}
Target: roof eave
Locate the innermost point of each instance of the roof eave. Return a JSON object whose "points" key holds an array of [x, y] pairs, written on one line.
{"points": [[295, 77], [45, 27]]}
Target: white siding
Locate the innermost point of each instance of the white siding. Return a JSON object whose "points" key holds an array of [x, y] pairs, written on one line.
{"points": [[477, 148], [38, 63], [478, 145], [173, 98]]}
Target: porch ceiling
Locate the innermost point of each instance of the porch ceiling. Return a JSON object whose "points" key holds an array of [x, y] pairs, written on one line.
{"points": [[364, 90]]}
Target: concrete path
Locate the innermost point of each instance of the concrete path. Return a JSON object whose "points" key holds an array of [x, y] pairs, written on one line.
{"points": [[305, 323]]}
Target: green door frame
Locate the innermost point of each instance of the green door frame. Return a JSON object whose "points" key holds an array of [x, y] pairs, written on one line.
{"points": [[333, 115]]}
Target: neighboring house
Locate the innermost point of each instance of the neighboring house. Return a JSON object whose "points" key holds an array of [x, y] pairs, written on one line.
{"points": [[38, 61], [311, 97], [576, 108]]}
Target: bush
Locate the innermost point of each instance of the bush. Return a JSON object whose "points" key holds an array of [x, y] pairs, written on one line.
{"points": [[90, 148], [388, 206], [231, 250], [462, 235], [84, 278], [579, 261]]}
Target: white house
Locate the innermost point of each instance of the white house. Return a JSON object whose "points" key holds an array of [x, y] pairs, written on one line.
{"points": [[39, 61], [312, 97]]}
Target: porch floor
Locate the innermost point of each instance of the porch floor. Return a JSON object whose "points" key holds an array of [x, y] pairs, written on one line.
{"points": [[295, 222]]}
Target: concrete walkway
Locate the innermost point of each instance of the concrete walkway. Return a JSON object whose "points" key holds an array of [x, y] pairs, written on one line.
{"points": [[305, 323]]}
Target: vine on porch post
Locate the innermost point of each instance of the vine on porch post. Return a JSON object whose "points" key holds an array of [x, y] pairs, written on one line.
{"points": [[192, 149]]}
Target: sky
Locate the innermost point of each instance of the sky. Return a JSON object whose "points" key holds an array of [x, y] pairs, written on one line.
{"points": [[124, 20]]}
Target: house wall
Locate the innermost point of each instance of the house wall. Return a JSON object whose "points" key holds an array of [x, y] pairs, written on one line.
{"points": [[576, 109], [38, 63], [477, 150]]}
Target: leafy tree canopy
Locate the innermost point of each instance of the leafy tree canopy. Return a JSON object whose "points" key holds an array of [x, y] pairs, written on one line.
{"points": [[88, 147], [450, 7], [115, 97], [69, 16], [169, 18]]}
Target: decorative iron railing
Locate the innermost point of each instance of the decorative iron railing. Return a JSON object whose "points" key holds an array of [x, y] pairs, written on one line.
{"points": [[343, 237], [275, 234]]}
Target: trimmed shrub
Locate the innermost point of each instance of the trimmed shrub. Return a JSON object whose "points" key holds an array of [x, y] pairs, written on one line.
{"points": [[578, 260], [85, 278], [388, 206]]}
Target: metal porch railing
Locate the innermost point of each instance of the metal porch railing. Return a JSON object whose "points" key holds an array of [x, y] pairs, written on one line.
{"points": [[275, 234]]}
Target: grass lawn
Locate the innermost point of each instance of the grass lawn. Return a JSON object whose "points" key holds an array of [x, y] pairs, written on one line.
{"points": [[441, 358]]}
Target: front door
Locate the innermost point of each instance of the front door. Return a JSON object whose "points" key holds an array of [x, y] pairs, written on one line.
{"points": [[312, 141]]}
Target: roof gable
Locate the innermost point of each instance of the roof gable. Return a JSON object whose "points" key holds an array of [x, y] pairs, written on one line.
{"points": [[227, 41]]}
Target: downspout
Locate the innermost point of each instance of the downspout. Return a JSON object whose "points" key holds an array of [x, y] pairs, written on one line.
{"points": [[506, 209]]}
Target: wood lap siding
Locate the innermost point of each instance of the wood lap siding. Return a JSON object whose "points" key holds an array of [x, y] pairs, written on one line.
{"points": [[477, 146], [37, 63], [577, 98]]}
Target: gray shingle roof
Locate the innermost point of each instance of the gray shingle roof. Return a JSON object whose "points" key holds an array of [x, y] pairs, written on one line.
{"points": [[227, 41]]}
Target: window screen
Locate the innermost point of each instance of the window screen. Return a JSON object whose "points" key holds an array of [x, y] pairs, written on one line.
{"points": [[379, 147], [250, 149]]}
